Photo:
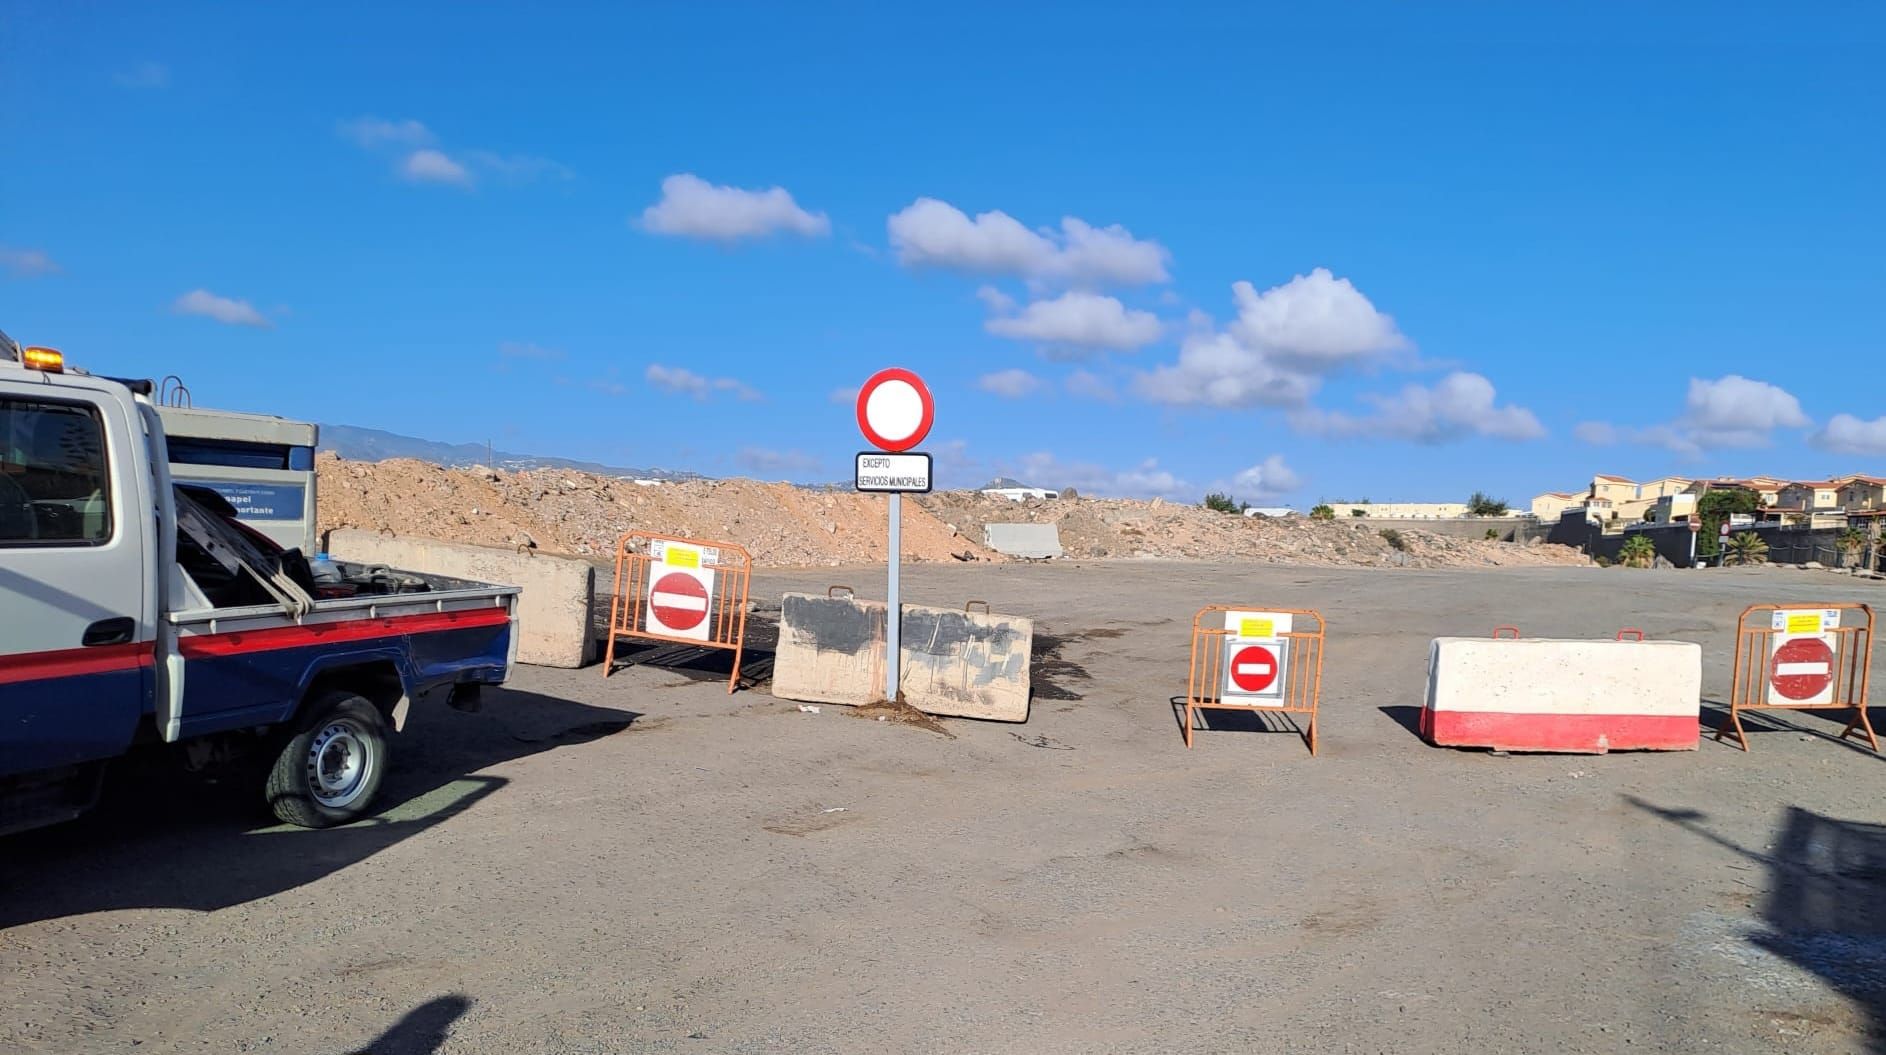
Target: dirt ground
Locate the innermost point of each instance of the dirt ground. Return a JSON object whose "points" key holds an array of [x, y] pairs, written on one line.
{"points": [[646, 864]]}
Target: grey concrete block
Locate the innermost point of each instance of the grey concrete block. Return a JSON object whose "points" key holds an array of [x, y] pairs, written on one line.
{"points": [[1038, 541], [554, 610]]}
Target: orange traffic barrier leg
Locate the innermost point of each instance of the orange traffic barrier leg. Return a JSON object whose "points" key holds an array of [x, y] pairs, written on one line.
{"points": [[1860, 722]]}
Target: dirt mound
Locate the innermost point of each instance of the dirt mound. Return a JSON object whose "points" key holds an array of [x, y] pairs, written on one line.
{"points": [[582, 514], [1113, 528]]}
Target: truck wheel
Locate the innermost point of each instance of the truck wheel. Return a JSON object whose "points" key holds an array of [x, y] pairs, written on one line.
{"points": [[329, 771]]}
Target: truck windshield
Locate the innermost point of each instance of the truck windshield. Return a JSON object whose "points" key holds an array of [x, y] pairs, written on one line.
{"points": [[52, 474]]}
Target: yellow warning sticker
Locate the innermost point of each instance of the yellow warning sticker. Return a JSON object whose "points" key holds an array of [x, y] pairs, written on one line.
{"points": [[1256, 628], [682, 556], [1804, 622]]}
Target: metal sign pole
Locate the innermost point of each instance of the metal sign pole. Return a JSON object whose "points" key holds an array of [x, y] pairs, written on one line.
{"points": [[894, 611]]}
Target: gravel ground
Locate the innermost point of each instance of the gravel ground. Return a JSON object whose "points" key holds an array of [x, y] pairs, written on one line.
{"points": [[648, 864]]}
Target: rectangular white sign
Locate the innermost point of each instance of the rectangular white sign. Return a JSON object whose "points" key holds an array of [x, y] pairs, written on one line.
{"points": [[887, 473]]}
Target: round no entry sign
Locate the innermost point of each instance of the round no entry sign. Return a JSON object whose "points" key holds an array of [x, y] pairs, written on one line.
{"points": [[1254, 668], [678, 603], [1803, 669], [895, 410]]}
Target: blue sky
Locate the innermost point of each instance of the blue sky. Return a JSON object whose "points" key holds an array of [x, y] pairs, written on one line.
{"points": [[1402, 250]]}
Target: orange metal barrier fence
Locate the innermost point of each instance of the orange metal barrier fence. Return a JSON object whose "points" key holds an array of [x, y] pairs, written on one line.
{"points": [[680, 590], [1802, 657], [1244, 660]]}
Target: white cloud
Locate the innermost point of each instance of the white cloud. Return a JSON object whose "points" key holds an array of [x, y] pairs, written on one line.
{"points": [[1278, 348], [1145, 480], [144, 75], [1081, 320], [1459, 405], [1847, 434], [1215, 370], [998, 302], [418, 157], [1734, 411], [527, 350], [26, 263], [681, 380], [1730, 411], [1088, 385], [932, 233], [766, 460], [844, 396], [1316, 322], [434, 166], [223, 309], [1597, 433], [516, 168], [1010, 384], [691, 207], [376, 131], [607, 386], [1266, 480]]}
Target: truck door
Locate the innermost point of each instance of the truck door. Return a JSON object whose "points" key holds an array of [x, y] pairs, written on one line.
{"points": [[77, 601]]}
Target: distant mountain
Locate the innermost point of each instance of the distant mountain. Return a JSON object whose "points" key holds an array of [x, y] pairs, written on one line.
{"points": [[376, 445]]}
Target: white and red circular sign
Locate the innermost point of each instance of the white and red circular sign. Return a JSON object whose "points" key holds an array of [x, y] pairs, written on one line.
{"points": [[1803, 668], [895, 410], [1254, 668], [678, 602]]}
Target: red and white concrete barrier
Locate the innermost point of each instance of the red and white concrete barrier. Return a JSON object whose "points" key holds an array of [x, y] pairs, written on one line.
{"points": [[1586, 697]]}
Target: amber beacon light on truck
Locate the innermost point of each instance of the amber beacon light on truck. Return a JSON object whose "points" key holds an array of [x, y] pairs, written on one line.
{"points": [[50, 360]]}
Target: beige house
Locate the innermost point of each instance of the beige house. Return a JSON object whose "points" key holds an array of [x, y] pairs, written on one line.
{"points": [[1548, 506], [1663, 486], [1809, 495], [1613, 489], [1619, 498], [1860, 494]]}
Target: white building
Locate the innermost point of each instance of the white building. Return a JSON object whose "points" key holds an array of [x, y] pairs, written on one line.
{"points": [[1271, 511], [1015, 490]]}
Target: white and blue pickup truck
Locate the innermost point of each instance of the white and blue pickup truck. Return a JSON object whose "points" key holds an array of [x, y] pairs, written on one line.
{"points": [[135, 612]]}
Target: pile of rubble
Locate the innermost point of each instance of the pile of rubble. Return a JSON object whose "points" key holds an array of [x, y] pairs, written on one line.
{"points": [[1115, 528], [563, 511]]}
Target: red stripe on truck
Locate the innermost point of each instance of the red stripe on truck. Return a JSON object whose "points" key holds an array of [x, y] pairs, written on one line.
{"points": [[203, 646], [75, 662]]}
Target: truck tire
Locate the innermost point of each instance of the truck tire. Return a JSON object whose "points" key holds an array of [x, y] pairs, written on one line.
{"points": [[330, 770]]}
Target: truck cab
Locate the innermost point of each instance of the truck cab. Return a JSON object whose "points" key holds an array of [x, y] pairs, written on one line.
{"points": [[134, 610]]}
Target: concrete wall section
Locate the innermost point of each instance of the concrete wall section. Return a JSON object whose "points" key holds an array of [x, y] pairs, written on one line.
{"points": [[831, 650], [1039, 541], [1575, 696], [554, 611], [962, 664], [966, 664]]}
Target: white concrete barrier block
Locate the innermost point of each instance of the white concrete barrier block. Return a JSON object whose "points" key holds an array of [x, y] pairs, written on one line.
{"points": [[1539, 694]]}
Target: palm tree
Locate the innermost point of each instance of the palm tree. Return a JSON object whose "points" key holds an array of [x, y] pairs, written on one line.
{"points": [[1638, 552], [1852, 543], [1747, 548]]}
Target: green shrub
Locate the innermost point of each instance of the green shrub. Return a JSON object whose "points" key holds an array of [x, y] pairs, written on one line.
{"points": [[1393, 538], [1480, 505], [1221, 503], [1322, 511]]}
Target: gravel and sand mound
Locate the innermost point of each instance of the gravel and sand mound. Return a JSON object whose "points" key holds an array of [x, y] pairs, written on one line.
{"points": [[563, 511]]}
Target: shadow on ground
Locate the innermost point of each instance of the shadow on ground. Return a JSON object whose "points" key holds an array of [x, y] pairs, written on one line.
{"points": [[1824, 909], [165, 838], [1216, 720], [421, 1031], [1819, 723], [698, 663]]}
